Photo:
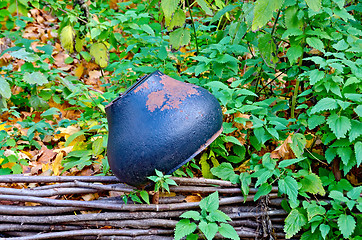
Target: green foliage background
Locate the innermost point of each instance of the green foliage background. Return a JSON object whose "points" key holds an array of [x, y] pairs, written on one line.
{"points": [[291, 68]]}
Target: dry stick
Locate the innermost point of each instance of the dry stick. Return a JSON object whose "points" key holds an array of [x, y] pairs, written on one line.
{"points": [[48, 192], [98, 232], [36, 210], [192, 189], [51, 179], [33, 227], [257, 214], [100, 205], [139, 223], [203, 181], [111, 187], [77, 183]]}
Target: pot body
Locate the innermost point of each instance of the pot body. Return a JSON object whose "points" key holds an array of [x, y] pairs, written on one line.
{"points": [[159, 123]]}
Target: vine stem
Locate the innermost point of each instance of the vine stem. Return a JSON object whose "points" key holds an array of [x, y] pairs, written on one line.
{"points": [[193, 27], [296, 89]]}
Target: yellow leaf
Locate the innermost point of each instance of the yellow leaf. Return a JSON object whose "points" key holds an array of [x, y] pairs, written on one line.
{"points": [[78, 72], [67, 38], [100, 53], [56, 164], [79, 42], [2, 126]]}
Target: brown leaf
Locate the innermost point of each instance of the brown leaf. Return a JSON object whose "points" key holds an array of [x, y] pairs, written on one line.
{"points": [[283, 151], [193, 198]]}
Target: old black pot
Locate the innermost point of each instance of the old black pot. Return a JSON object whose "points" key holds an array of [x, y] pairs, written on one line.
{"points": [[159, 123]]}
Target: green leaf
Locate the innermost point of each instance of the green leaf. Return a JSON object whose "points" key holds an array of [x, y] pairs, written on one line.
{"points": [[100, 53], [184, 228], [224, 171], [263, 12], [298, 144], [144, 195], [315, 120], [148, 29], [324, 228], [358, 152], [339, 125], [294, 52], [358, 110], [210, 203], [267, 49], [245, 180], [205, 6], [218, 216], [178, 19], [72, 137], [314, 210], [291, 18], [293, 223], [356, 130], [324, 104], [67, 38], [24, 55], [355, 193], [315, 76], [191, 214], [50, 112], [346, 225], [264, 189], [233, 140], [289, 186], [5, 90], [288, 162], [208, 229], [345, 154], [227, 231], [37, 78], [315, 5], [169, 7], [312, 183], [97, 146], [337, 195], [180, 37], [316, 43]]}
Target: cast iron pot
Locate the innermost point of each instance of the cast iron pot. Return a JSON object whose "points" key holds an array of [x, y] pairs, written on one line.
{"points": [[159, 123]]}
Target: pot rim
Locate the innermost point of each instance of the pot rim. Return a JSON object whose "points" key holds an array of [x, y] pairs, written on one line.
{"points": [[131, 88]]}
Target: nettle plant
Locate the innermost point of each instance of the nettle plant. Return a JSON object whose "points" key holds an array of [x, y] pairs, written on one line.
{"points": [[209, 221]]}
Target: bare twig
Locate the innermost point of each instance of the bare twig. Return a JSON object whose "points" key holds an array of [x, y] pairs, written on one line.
{"points": [[35, 210], [139, 223], [52, 179], [47, 193], [203, 181]]}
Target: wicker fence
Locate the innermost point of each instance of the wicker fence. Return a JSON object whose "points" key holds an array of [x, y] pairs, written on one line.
{"points": [[41, 212]]}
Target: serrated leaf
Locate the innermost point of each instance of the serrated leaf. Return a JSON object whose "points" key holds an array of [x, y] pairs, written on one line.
{"points": [[346, 225], [178, 19], [358, 152], [298, 144], [100, 53], [263, 12], [148, 29], [208, 229], [315, 120], [184, 228], [180, 37], [293, 223], [316, 76], [337, 195], [24, 55], [169, 7], [267, 49], [316, 43], [191, 214], [358, 110], [224, 171], [356, 130], [219, 216], [246, 92], [324, 228], [227, 231], [210, 203], [315, 5], [37, 78], [5, 90], [289, 186], [288, 162], [245, 180], [324, 104], [314, 210], [291, 18], [294, 52], [345, 154], [312, 183], [264, 189], [339, 125], [67, 38]]}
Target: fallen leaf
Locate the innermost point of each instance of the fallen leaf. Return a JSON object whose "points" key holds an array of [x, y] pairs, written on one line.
{"points": [[193, 198], [283, 151]]}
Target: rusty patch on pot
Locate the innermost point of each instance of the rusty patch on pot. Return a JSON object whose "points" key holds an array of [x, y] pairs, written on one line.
{"points": [[142, 86], [171, 96], [155, 100]]}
